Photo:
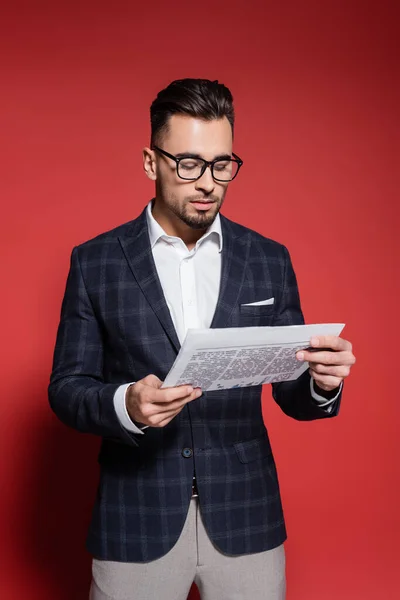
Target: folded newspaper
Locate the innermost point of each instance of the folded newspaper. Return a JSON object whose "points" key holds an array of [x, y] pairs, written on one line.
{"points": [[219, 359]]}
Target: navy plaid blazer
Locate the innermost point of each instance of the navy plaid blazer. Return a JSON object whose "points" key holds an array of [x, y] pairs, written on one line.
{"points": [[115, 327]]}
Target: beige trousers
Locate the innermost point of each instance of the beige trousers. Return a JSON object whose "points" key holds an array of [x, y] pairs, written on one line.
{"points": [[259, 576]]}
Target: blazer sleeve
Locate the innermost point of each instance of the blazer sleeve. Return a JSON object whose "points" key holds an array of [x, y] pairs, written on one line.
{"points": [[77, 392], [294, 397]]}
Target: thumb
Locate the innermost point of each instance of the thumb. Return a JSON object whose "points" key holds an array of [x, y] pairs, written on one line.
{"points": [[153, 381]]}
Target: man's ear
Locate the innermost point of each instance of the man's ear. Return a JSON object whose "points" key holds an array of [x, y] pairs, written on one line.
{"points": [[149, 163]]}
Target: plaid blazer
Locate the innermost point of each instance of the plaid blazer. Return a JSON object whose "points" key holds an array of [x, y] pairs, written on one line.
{"points": [[115, 327]]}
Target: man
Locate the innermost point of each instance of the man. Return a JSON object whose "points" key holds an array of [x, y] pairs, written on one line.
{"points": [[188, 487]]}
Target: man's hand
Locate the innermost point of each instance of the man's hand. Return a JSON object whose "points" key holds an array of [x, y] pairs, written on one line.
{"points": [[147, 404], [330, 365]]}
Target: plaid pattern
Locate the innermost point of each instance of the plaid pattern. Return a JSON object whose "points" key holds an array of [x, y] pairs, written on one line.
{"points": [[115, 327]]}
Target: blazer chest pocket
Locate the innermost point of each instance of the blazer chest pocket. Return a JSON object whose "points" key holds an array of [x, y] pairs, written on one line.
{"points": [[256, 316]]}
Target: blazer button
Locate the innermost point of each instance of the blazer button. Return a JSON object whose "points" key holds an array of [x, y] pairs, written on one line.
{"points": [[187, 452]]}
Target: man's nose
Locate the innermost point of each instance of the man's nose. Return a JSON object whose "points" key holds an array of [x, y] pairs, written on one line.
{"points": [[206, 181]]}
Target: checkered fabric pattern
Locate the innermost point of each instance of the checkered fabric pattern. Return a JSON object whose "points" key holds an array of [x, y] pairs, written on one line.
{"points": [[115, 327]]}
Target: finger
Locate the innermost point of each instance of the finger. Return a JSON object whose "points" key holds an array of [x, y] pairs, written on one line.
{"points": [[330, 341], [162, 407], [158, 415], [170, 394], [326, 381], [152, 381], [337, 371], [326, 357], [162, 419]]}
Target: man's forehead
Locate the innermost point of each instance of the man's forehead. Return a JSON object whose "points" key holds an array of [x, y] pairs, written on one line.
{"points": [[185, 125], [186, 133]]}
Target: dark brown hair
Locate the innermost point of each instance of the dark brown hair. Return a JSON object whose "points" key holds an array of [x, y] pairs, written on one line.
{"points": [[200, 98]]}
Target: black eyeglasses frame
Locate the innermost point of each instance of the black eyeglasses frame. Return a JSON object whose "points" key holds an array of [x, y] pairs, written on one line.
{"points": [[206, 163]]}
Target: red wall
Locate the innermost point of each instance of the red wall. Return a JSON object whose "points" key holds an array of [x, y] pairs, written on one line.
{"points": [[316, 97]]}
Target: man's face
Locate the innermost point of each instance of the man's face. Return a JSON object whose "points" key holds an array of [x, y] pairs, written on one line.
{"points": [[195, 203]]}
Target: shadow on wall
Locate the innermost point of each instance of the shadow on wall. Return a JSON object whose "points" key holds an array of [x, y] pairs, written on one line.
{"points": [[64, 480], [52, 527]]}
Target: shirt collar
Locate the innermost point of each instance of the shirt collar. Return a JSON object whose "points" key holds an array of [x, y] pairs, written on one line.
{"points": [[156, 232]]}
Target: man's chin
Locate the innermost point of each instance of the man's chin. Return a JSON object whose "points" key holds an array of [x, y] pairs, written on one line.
{"points": [[203, 219], [200, 221]]}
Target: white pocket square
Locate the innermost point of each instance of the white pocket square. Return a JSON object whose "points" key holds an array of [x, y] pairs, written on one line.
{"points": [[261, 302]]}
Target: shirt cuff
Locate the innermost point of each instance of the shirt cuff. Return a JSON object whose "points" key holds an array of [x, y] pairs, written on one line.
{"points": [[320, 400], [121, 410]]}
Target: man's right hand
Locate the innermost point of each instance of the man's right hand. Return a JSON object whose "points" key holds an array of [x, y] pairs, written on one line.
{"points": [[147, 404]]}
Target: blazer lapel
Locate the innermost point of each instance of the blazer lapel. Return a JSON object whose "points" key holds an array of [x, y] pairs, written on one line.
{"points": [[235, 253], [136, 247]]}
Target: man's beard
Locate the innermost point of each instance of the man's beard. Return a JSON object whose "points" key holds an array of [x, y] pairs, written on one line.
{"points": [[201, 220]]}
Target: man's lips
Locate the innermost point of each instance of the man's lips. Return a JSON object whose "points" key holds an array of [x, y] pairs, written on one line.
{"points": [[202, 204]]}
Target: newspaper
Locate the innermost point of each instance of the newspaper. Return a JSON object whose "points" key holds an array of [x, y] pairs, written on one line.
{"points": [[218, 359]]}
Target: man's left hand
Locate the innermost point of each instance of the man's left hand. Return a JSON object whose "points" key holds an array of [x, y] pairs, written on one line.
{"points": [[330, 360]]}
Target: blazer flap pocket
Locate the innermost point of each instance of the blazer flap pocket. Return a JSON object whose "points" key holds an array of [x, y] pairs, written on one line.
{"points": [[253, 449]]}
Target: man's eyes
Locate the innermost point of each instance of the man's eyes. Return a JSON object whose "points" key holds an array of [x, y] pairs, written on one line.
{"points": [[189, 165], [221, 166]]}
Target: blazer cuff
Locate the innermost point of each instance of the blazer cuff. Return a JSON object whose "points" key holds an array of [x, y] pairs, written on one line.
{"points": [[122, 412], [321, 400]]}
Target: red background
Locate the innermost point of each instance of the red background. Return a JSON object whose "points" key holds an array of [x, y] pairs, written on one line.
{"points": [[315, 88]]}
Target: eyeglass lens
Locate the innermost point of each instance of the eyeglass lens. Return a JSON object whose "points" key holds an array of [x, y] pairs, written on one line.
{"points": [[224, 170]]}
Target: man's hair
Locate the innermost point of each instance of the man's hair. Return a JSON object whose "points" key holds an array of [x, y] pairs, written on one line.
{"points": [[199, 98]]}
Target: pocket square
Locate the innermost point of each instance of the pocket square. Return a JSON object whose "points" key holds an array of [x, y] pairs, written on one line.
{"points": [[261, 302]]}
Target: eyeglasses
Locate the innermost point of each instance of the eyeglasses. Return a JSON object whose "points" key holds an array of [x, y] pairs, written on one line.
{"points": [[192, 167]]}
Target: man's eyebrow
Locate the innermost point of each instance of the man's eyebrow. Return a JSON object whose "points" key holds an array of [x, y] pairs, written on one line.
{"points": [[195, 155]]}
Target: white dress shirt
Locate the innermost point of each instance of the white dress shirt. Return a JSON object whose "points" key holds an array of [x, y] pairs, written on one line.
{"points": [[190, 281]]}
